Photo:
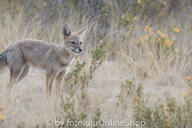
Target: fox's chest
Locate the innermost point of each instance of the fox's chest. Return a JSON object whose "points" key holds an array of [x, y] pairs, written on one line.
{"points": [[67, 70]]}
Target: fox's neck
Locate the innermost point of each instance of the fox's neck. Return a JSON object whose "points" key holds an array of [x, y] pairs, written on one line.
{"points": [[66, 54]]}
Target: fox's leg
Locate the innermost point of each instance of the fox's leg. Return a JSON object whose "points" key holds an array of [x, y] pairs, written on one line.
{"points": [[24, 73], [48, 76], [16, 65], [59, 79], [13, 77], [49, 81]]}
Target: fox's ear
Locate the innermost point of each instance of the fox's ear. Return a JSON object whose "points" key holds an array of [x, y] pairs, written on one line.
{"points": [[82, 32], [66, 31]]}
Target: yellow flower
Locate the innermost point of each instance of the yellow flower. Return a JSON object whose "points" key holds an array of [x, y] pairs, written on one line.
{"points": [[151, 33], [164, 3], [135, 18], [165, 36], [121, 81], [166, 109], [186, 114], [176, 29], [159, 39], [188, 91], [2, 117], [138, 42], [137, 98], [129, 81], [139, 1], [135, 103], [188, 78], [140, 39], [147, 29], [185, 94], [83, 69], [159, 32], [168, 43]]}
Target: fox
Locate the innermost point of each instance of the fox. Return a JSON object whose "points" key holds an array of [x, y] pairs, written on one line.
{"points": [[54, 59]]}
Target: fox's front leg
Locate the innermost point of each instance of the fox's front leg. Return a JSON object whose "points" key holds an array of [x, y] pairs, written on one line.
{"points": [[49, 82], [59, 79]]}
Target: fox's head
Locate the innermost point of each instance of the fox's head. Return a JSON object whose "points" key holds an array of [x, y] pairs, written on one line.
{"points": [[73, 41]]}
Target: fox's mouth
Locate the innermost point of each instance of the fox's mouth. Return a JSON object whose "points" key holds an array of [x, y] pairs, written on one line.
{"points": [[76, 50]]}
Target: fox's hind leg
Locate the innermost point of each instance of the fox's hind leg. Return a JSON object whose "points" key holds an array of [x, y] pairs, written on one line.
{"points": [[24, 73], [13, 78], [16, 64]]}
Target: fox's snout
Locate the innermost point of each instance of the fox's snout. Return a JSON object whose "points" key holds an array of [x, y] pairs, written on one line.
{"points": [[79, 50], [76, 50]]}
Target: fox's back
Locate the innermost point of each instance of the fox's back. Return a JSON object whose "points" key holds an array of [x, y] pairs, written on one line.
{"points": [[36, 52]]}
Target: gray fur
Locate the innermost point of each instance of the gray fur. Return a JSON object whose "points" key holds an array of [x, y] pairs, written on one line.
{"points": [[52, 58]]}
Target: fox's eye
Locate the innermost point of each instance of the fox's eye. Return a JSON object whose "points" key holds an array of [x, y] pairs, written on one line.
{"points": [[80, 43], [73, 42]]}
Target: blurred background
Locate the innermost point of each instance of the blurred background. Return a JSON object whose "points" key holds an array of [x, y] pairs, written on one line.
{"points": [[124, 11], [137, 63]]}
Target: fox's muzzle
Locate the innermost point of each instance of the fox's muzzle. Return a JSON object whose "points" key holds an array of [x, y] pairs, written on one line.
{"points": [[77, 50]]}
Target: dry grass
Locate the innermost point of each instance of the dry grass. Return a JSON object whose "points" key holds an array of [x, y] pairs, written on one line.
{"points": [[132, 54]]}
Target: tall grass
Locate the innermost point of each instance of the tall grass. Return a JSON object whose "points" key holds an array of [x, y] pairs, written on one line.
{"points": [[123, 73]]}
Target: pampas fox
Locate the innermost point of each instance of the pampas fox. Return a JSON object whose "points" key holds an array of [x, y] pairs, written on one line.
{"points": [[54, 59]]}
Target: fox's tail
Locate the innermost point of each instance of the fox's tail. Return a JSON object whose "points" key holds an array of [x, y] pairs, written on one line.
{"points": [[3, 59]]}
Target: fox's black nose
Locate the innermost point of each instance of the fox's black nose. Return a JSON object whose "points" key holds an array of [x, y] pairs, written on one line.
{"points": [[80, 50]]}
